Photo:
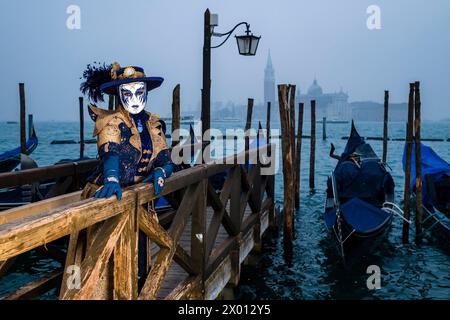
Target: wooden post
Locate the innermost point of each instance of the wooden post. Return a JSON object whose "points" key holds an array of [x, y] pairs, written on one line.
{"points": [[268, 122], [313, 145], [175, 113], [419, 208], [385, 127], [298, 157], [324, 128], [30, 125], [248, 125], [292, 137], [292, 127], [81, 128], [111, 102], [287, 166], [407, 191], [198, 231], [23, 142]]}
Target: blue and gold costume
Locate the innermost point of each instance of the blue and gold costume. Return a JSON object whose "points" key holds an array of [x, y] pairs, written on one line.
{"points": [[131, 142], [138, 141]]}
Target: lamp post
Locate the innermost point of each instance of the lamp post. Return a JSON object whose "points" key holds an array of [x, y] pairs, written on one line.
{"points": [[247, 46]]}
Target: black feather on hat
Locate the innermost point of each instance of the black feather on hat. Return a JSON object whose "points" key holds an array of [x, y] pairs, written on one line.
{"points": [[95, 75]]}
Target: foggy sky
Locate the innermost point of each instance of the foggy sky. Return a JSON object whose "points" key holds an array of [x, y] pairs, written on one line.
{"points": [[326, 39]]}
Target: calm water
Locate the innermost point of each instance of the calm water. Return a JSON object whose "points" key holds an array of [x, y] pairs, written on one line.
{"points": [[315, 271]]}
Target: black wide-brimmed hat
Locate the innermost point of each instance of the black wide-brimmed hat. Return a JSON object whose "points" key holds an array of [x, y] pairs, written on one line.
{"points": [[105, 79], [129, 74]]}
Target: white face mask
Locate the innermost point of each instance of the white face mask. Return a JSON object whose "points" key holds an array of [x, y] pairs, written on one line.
{"points": [[133, 96]]}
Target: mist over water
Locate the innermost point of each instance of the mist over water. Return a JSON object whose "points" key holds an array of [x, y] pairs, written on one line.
{"points": [[315, 272]]}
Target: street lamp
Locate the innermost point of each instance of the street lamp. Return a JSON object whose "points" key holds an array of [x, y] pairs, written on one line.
{"points": [[247, 46]]}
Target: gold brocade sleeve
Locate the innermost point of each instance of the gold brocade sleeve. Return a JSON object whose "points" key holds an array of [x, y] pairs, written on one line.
{"points": [[107, 131]]}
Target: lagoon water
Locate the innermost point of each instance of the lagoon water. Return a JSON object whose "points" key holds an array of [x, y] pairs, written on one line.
{"points": [[315, 271]]}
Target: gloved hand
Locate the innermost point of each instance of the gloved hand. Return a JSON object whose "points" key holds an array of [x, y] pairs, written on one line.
{"points": [[108, 189], [111, 183], [158, 177]]}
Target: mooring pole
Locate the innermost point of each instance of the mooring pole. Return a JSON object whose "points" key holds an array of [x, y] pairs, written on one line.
{"points": [[385, 125], [287, 166], [292, 128], [417, 120], [312, 157], [408, 151], [324, 128], [268, 122], [298, 157], [110, 102], [30, 125], [80, 99], [116, 102], [23, 148], [175, 114], [248, 125]]}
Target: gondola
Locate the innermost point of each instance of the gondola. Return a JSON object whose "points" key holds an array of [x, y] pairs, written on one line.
{"points": [[359, 206], [11, 159], [435, 192]]}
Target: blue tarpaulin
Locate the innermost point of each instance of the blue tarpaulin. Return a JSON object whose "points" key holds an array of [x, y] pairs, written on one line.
{"points": [[431, 164], [360, 215]]}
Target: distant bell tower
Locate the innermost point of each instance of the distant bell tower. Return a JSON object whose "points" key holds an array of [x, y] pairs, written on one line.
{"points": [[269, 82]]}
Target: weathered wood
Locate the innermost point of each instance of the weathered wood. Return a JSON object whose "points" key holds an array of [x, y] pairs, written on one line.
{"points": [[25, 231], [81, 128], [75, 254], [385, 125], [324, 128], [175, 113], [184, 260], [298, 150], [23, 124], [38, 207], [407, 190], [125, 265], [23, 235], [156, 275], [30, 125], [218, 206], [97, 257], [268, 122], [164, 257], [287, 164], [312, 159], [151, 227], [185, 289], [248, 125], [218, 215], [418, 182], [35, 288], [198, 228], [292, 127], [110, 102]]}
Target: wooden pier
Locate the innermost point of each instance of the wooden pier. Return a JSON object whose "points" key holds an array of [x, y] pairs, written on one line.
{"points": [[195, 246]]}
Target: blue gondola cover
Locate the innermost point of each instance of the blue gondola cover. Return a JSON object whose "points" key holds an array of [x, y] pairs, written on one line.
{"points": [[360, 215]]}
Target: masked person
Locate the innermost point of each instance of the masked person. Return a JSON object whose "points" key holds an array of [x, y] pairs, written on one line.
{"points": [[131, 142]]}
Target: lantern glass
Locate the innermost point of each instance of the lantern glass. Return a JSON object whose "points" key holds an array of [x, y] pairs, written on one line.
{"points": [[247, 44]]}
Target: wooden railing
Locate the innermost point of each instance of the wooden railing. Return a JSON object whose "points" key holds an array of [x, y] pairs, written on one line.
{"points": [[206, 232]]}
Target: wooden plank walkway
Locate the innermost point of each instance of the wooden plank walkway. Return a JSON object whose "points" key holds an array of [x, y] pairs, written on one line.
{"points": [[176, 274]]}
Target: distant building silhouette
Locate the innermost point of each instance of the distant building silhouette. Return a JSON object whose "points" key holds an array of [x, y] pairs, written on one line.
{"points": [[269, 82], [334, 106]]}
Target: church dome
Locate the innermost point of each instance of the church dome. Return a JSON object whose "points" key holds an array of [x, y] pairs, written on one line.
{"points": [[314, 89]]}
